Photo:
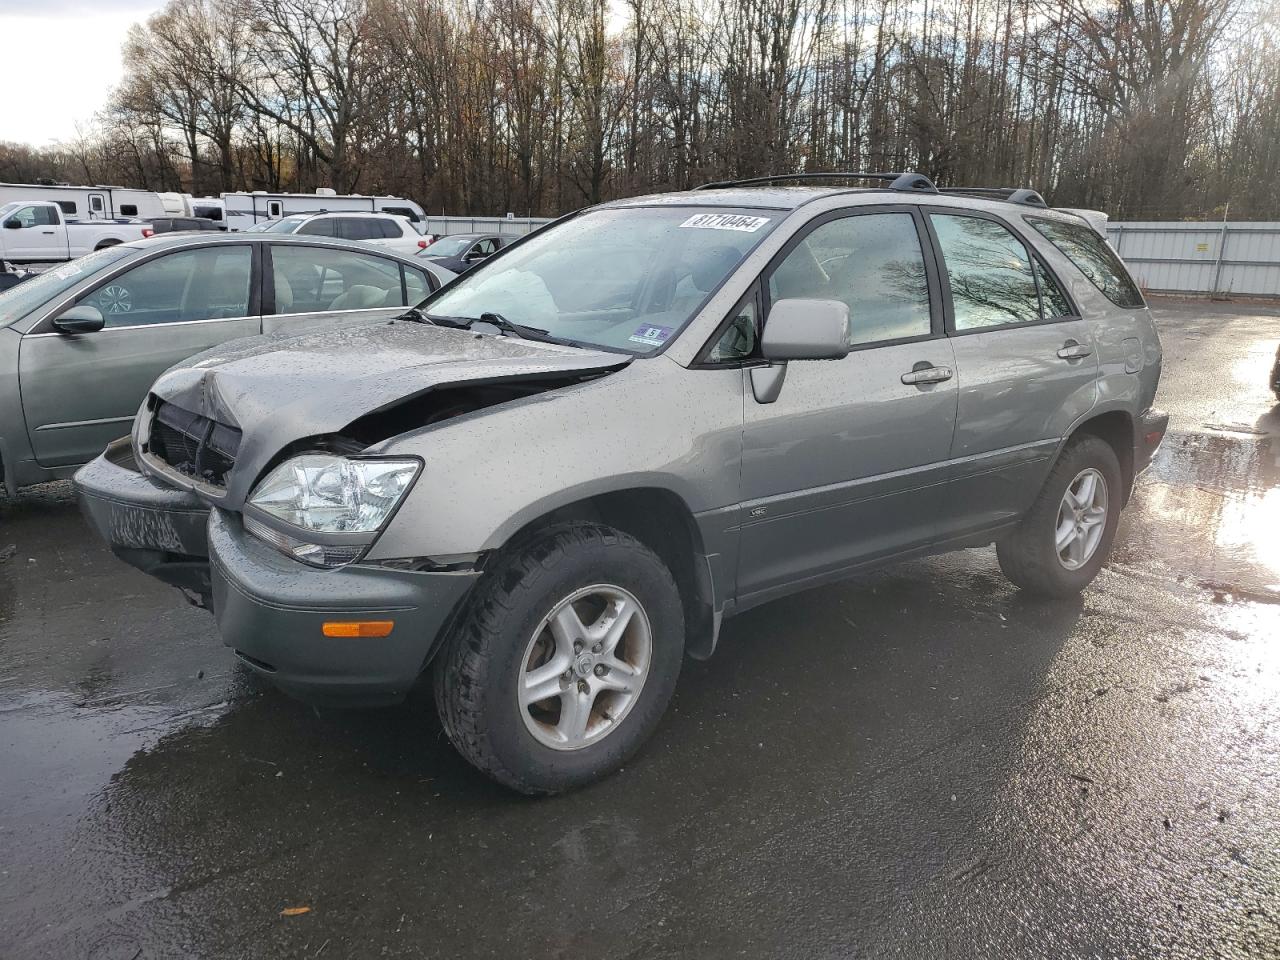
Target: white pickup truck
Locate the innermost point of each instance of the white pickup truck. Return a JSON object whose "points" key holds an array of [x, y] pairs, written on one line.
{"points": [[35, 231]]}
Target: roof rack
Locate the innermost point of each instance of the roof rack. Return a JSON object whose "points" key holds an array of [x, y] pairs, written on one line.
{"points": [[1021, 195], [896, 181]]}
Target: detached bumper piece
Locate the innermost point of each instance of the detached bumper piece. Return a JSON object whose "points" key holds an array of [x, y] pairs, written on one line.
{"points": [[355, 636], [154, 527], [1151, 427]]}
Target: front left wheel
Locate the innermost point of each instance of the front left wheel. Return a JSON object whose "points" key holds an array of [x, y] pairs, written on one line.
{"points": [[565, 660]]}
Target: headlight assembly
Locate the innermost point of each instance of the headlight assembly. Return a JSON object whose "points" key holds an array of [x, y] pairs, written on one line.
{"points": [[334, 497]]}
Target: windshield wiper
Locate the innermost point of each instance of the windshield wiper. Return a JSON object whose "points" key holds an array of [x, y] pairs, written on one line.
{"points": [[502, 323]]}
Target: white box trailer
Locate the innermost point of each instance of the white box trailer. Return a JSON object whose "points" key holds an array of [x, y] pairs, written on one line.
{"points": [[245, 209], [99, 202]]}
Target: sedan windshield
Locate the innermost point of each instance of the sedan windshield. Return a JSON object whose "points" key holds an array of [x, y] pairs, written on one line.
{"points": [[626, 278], [20, 300], [449, 247]]}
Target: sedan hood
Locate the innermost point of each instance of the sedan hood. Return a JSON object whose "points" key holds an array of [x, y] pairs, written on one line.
{"points": [[280, 390]]}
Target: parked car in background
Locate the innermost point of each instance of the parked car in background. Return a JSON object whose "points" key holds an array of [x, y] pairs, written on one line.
{"points": [[181, 225], [10, 277], [460, 252], [38, 232], [646, 417], [383, 229], [81, 343]]}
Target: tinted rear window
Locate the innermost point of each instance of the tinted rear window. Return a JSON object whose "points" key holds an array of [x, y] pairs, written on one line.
{"points": [[1094, 257]]}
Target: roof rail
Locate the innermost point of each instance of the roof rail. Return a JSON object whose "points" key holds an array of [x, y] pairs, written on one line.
{"points": [[896, 181], [1021, 195]]}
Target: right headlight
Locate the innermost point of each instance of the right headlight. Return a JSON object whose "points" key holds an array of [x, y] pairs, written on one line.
{"points": [[345, 501]]}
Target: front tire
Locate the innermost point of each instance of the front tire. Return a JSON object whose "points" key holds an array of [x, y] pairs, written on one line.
{"points": [[565, 660], [1064, 539]]}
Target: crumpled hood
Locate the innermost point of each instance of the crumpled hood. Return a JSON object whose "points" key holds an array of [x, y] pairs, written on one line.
{"points": [[283, 389]]}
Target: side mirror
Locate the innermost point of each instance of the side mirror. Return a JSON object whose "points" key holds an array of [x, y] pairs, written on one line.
{"points": [[799, 329], [13, 223], [79, 319]]}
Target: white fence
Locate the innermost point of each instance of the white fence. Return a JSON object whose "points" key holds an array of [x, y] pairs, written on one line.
{"points": [[1219, 259], [514, 227]]}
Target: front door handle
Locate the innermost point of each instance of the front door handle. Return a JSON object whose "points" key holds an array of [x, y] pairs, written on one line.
{"points": [[927, 374], [1075, 351], [48, 232]]}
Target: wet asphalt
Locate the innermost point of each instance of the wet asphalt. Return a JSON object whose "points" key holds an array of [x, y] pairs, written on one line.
{"points": [[919, 763]]}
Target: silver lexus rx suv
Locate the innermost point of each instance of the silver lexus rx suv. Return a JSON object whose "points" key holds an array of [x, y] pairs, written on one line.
{"points": [[554, 478]]}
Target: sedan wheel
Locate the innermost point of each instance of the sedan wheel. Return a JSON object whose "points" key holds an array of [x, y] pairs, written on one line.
{"points": [[115, 299]]}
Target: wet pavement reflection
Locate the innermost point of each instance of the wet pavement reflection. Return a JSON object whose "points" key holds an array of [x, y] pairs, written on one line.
{"points": [[922, 762]]}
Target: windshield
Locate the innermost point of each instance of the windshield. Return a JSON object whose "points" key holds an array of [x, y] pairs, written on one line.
{"points": [[626, 278], [287, 225], [20, 300], [449, 246]]}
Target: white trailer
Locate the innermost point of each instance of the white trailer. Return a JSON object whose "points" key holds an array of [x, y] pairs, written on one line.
{"points": [[243, 210], [101, 202]]}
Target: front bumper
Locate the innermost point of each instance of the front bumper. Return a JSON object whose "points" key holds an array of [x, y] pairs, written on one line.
{"points": [[270, 609], [154, 527]]}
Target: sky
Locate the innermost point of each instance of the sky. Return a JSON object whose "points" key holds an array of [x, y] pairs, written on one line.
{"points": [[62, 58]]}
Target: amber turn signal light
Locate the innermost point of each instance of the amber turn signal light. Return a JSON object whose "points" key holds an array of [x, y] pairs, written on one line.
{"points": [[357, 628]]}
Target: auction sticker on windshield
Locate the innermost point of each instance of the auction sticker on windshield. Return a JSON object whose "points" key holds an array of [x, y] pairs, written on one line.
{"points": [[725, 221]]}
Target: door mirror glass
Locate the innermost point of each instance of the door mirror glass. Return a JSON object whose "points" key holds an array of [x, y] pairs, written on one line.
{"points": [[803, 329], [82, 318]]}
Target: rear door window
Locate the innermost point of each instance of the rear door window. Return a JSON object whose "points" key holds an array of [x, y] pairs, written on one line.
{"points": [[989, 272], [318, 280], [1084, 247]]}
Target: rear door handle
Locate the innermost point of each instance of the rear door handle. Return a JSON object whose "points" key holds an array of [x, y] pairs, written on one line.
{"points": [[927, 375], [1075, 351]]}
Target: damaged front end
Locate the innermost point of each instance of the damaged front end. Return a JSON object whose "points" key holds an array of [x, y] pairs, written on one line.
{"points": [[211, 430], [148, 524]]}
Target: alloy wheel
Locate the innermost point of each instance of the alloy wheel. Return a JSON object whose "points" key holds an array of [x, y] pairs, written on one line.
{"points": [[584, 667]]}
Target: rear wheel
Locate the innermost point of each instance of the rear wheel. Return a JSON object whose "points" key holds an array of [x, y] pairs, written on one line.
{"points": [[565, 661], [1065, 538]]}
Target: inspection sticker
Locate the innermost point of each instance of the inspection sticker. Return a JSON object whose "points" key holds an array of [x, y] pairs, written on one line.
{"points": [[651, 336], [725, 221]]}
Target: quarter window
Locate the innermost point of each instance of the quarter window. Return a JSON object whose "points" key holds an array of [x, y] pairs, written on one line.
{"points": [[68, 207], [210, 283], [1084, 247], [317, 280], [872, 262], [738, 342], [989, 272], [417, 284]]}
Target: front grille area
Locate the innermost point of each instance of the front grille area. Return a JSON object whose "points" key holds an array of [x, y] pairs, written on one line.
{"points": [[193, 445]]}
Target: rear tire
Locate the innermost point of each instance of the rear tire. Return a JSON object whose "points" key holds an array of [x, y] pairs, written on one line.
{"points": [[565, 660], [1056, 551]]}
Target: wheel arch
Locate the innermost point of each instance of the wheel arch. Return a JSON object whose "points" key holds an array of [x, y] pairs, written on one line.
{"points": [[660, 519], [1116, 429], [108, 242]]}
